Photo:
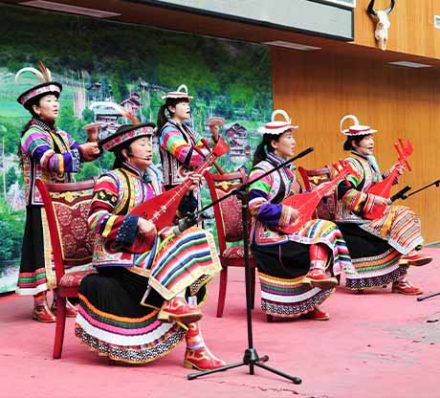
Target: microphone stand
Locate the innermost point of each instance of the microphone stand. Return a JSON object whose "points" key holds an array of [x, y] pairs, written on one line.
{"points": [[427, 296], [251, 357], [402, 195]]}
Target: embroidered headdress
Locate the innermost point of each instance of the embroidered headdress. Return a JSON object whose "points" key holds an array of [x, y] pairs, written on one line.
{"points": [[127, 132], [46, 86]]}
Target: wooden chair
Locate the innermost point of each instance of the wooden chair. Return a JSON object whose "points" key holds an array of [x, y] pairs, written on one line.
{"points": [[326, 209], [67, 208], [229, 225]]}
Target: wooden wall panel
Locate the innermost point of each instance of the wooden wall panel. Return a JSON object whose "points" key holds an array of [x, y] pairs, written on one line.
{"points": [[412, 26], [317, 90]]}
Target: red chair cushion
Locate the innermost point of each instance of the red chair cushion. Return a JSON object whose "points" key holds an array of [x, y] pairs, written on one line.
{"points": [[73, 279], [76, 240], [234, 252], [232, 222]]}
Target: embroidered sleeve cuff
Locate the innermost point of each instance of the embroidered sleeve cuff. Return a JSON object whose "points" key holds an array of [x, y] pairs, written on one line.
{"points": [[354, 200], [369, 203], [127, 232]]}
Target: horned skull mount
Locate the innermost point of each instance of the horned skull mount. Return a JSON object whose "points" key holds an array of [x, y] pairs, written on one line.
{"points": [[383, 23]]}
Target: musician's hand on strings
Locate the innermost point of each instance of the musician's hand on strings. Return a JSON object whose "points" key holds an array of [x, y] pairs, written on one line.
{"points": [[400, 169], [146, 227], [381, 201], [332, 188], [196, 179], [291, 218], [293, 214]]}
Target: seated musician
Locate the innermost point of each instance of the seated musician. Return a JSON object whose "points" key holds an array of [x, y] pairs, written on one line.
{"points": [[383, 248], [294, 268], [141, 304]]}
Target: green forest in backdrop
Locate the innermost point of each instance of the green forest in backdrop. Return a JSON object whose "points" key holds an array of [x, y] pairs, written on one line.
{"points": [[99, 60]]}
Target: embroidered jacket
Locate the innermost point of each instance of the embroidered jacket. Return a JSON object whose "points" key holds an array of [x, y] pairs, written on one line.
{"points": [[353, 198], [115, 194], [177, 142], [47, 153], [265, 198]]}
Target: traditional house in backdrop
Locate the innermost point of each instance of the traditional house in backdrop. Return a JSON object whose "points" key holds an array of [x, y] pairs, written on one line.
{"points": [[240, 148]]}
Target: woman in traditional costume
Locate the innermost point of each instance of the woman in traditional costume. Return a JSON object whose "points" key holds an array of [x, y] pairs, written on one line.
{"points": [[182, 149], [295, 268], [383, 248], [139, 306], [52, 155]]}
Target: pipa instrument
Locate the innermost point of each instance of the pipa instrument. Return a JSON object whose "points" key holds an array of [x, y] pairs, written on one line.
{"points": [[306, 203], [383, 188], [161, 210]]}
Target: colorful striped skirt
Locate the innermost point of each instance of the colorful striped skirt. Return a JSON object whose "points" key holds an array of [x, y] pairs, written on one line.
{"points": [[32, 277], [180, 262], [111, 319], [328, 234], [399, 226], [282, 267], [112, 322], [375, 260], [285, 297]]}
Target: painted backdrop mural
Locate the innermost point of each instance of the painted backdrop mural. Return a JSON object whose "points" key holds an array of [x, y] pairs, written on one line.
{"points": [[99, 61]]}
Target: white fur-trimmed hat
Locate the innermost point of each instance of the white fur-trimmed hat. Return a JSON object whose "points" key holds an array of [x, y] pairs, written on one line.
{"points": [[356, 128], [278, 126], [180, 93]]}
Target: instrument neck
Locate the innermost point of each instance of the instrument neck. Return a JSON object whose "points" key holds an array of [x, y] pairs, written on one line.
{"points": [[326, 187], [392, 176], [181, 189]]}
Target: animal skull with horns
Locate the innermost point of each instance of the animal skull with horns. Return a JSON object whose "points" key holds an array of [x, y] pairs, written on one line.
{"points": [[383, 23]]}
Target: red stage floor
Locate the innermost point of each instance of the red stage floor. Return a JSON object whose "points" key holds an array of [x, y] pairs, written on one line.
{"points": [[376, 345]]}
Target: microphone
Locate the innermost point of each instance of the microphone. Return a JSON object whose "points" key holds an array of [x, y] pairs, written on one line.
{"points": [[401, 194], [131, 155]]}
